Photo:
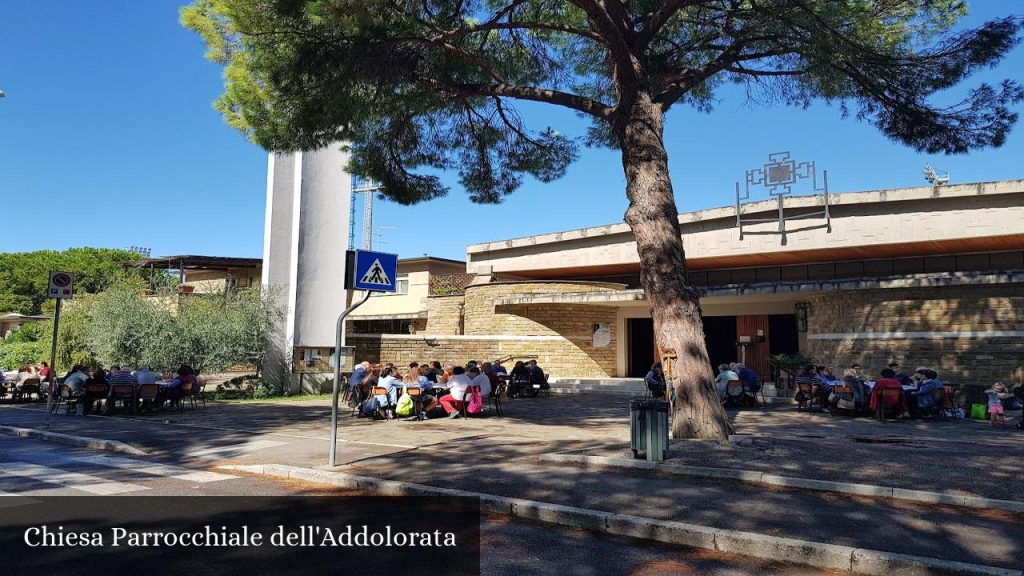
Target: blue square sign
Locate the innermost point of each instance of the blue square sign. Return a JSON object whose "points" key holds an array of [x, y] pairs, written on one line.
{"points": [[374, 271]]}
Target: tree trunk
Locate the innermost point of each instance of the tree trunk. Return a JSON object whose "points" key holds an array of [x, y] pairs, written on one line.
{"points": [[675, 305]]}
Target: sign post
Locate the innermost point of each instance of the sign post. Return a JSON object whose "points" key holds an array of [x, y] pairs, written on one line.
{"points": [[372, 272], [61, 287]]}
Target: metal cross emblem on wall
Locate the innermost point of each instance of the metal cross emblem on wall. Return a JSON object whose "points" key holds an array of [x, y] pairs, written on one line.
{"points": [[779, 175]]}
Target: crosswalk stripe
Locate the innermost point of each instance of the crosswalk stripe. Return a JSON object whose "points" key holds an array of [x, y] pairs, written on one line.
{"points": [[155, 468], [83, 482], [233, 450]]}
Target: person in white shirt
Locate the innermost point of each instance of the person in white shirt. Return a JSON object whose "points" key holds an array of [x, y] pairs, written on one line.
{"points": [[457, 384], [480, 379]]}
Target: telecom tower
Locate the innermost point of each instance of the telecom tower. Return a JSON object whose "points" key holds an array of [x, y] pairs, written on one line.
{"points": [[367, 188]]}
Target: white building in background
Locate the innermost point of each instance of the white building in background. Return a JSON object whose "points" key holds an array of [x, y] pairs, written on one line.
{"points": [[304, 239]]}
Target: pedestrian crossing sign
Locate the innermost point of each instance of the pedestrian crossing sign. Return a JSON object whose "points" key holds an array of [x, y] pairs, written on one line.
{"points": [[374, 271]]}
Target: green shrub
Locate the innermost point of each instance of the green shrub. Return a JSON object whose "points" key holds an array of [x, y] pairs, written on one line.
{"points": [[14, 354]]}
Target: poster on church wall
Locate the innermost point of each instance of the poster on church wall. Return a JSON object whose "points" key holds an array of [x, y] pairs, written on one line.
{"points": [[602, 335]]}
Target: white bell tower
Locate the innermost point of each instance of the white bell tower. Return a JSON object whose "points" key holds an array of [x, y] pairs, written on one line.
{"points": [[309, 198]]}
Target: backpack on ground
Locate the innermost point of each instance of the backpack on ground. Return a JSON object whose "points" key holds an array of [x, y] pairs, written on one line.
{"points": [[406, 406], [476, 401]]}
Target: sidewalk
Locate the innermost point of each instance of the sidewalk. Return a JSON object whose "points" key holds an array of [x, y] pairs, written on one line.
{"points": [[500, 456]]}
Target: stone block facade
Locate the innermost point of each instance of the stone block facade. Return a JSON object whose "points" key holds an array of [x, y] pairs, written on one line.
{"points": [[444, 314], [560, 336], [969, 334]]}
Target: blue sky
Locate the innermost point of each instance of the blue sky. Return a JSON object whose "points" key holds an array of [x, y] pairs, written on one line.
{"points": [[108, 128]]}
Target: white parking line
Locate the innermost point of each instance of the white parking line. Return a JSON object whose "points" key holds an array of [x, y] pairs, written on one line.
{"points": [[233, 450], [155, 468], [75, 480]]}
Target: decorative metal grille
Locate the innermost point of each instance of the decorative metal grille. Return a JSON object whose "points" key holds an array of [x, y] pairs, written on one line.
{"points": [[448, 284], [779, 175]]}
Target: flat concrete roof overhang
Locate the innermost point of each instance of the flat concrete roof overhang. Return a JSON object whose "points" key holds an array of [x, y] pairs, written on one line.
{"points": [[772, 290], [399, 316], [874, 225]]}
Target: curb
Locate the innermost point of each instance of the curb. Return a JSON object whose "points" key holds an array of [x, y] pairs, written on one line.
{"points": [[756, 477], [83, 441], [846, 558]]}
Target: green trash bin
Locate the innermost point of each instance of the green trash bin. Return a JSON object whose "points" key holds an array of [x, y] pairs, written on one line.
{"points": [[648, 428]]}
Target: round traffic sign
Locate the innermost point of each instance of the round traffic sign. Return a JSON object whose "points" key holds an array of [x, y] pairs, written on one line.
{"points": [[61, 280]]}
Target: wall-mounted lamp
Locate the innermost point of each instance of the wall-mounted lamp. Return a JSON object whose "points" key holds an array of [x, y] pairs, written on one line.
{"points": [[801, 316]]}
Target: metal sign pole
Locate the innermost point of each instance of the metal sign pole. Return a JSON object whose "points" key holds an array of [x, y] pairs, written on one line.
{"points": [[339, 342], [53, 364]]}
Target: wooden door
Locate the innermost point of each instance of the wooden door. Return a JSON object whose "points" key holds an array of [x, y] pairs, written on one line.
{"points": [[756, 354]]}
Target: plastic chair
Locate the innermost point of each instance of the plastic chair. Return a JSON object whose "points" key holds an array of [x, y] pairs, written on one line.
{"points": [[147, 394], [417, 399], [734, 393], [95, 392], [843, 392], [28, 387], [521, 386], [63, 396], [888, 399], [197, 395], [465, 401], [124, 393], [495, 396], [948, 396], [760, 392], [387, 407]]}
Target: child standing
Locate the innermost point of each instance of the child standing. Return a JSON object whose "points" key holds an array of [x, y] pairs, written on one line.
{"points": [[996, 394]]}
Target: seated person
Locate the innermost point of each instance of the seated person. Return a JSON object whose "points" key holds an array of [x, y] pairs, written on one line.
{"points": [[888, 381], [361, 393], [358, 373], [424, 381], [725, 375], [389, 381], [183, 376], [446, 374], [929, 384], [903, 378], [25, 373], [118, 376], [144, 375], [806, 377], [857, 399], [824, 382], [748, 377], [457, 385], [519, 379], [478, 378], [537, 375], [487, 369], [824, 377], [75, 381], [918, 377], [655, 381]]}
